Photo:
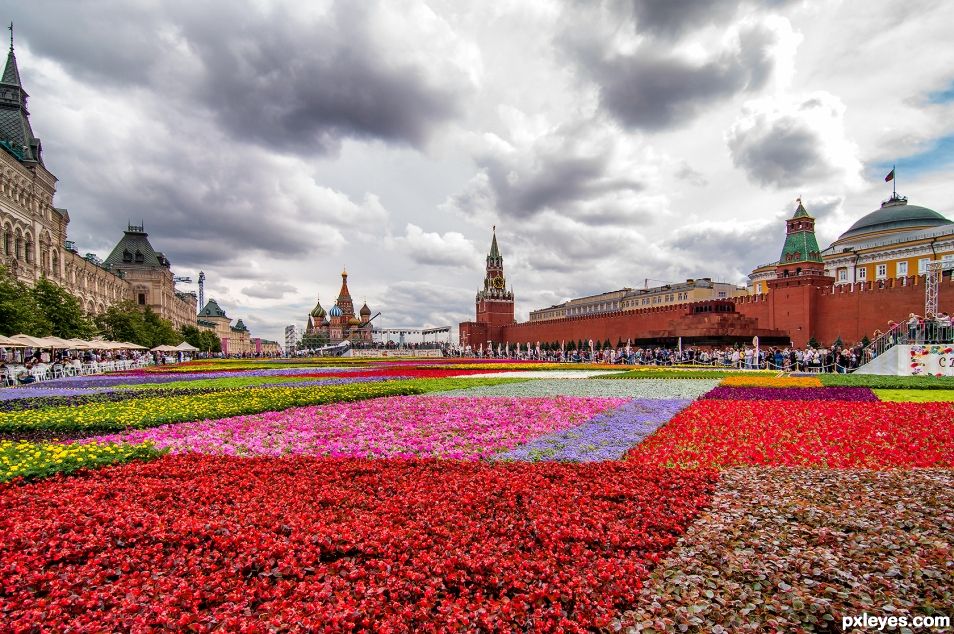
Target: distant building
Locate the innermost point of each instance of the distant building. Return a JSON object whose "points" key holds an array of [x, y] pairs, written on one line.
{"points": [[292, 337], [340, 322], [692, 290], [234, 339], [35, 244]]}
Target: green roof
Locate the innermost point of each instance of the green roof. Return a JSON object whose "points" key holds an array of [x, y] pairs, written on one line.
{"points": [[212, 309], [240, 326], [800, 212], [16, 135], [494, 251], [134, 250], [802, 246], [895, 214]]}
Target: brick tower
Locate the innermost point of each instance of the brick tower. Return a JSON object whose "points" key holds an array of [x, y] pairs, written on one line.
{"points": [[494, 304], [800, 278]]}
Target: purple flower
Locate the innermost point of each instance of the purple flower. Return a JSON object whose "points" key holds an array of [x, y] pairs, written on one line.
{"points": [[792, 394], [607, 436]]}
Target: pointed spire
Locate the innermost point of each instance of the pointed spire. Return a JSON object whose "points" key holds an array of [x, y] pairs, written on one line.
{"points": [[800, 212], [494, 250], [11, 74]]}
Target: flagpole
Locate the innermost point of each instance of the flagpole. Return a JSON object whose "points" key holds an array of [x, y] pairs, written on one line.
{"points": [[894, 181]]}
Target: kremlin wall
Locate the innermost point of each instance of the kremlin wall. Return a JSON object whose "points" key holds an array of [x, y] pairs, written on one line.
{"points": [[800, 297]]}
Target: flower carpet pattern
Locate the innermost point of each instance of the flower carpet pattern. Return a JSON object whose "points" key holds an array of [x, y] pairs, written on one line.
{"points": [[407, 426], [338, 545], [599, 388], [831, 434], [430, 495], [605, 437]]}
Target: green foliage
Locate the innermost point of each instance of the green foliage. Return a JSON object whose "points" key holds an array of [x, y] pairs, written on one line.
{"points": [[19, 311], [865, 342], [813, 343], [202, 339], [838, 342], [125, 321], [313, 340], [62, 310], [916, 396]]}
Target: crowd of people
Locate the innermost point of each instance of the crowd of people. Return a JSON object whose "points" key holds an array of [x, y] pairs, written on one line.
{"points": [[835, 358], [19, 369]]}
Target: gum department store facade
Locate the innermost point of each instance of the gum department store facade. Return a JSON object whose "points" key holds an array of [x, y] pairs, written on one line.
{"points": [[35, 242]]}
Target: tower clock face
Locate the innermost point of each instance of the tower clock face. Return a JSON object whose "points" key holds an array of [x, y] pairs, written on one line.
{"points": [[498, 282]]}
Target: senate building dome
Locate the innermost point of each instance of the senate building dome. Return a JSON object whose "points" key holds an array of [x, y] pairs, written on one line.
{"points": [[895, 216]]}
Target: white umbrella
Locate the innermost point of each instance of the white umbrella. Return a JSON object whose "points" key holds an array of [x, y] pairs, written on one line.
{"points": [[7, 342], [132, 346], [33, 342], [185, 346], [165, 349]]}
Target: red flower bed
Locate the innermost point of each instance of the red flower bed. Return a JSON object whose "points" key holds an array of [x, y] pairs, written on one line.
{"points": [[837, 434], [202, 542]]}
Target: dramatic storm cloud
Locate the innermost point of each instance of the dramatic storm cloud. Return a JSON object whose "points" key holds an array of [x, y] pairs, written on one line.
{"points": [[273, 144]]}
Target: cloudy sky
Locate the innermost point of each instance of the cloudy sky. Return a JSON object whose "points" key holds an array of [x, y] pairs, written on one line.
{"points": [[271, 143]]}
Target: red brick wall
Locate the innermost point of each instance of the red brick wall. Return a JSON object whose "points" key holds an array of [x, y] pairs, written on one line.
{"points": [[803, 308]]}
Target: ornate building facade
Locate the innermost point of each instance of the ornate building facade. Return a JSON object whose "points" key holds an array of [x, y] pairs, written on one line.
{"points": [[340, 322], [235, 339], [34, 240], [494, 303]]}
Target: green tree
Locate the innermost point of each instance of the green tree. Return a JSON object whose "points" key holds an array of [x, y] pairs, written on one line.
{"points": [[313, 340], [606, 344], [838, 342], [204, 340], [813, 343], [125, 321], [161, 331], [63, 311], [19, 312], [865, 342]]}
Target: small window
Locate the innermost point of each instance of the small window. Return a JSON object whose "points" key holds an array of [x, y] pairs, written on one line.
{"points": [[140, 258], [142, 299], [882, 271], [721, 294], [862, 273], [127, 256], [902, 269], [948, 261], [842, 275], [922, 265]]}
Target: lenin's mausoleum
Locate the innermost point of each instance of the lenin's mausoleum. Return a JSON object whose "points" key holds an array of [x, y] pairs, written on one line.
{"points": [[873, 273]]}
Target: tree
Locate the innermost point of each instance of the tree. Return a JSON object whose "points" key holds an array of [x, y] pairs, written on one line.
{"points": [[202, 339], [19, 312], [838, 343], [606, 344], [63, 311], [813, 343], [865, 342], [313, 340], [124, 321]]}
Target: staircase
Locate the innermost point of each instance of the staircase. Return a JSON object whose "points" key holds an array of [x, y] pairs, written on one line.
{"points": [[890, 353]]}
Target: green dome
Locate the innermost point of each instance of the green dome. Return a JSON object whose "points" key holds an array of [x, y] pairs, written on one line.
{"points": [[895, 214]]}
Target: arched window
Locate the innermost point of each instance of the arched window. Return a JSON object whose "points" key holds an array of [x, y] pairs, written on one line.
{"points": [[29, 251], [18, 248], [7, 241]]}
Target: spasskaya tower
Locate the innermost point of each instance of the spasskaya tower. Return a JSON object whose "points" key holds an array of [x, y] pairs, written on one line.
{"points": [[494, 304]]}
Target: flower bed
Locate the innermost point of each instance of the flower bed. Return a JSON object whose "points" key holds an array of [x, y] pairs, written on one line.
{"points": [[405, 426], [890, 382], [21, 459], [679, 373], [648, 389], [338, 544], [792, 394], [795, 550], [835, 434], [150, 412], [605, 437], [765, 380], [916, 396]]}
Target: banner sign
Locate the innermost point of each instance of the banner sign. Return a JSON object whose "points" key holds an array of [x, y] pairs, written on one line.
{"points": [[935, 360]]}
